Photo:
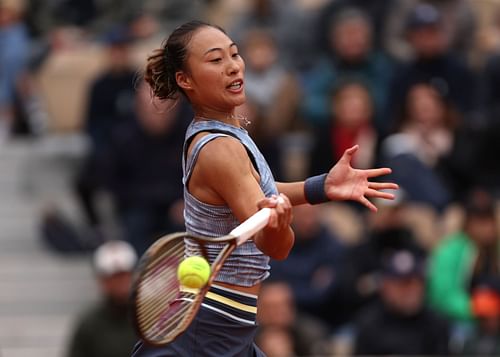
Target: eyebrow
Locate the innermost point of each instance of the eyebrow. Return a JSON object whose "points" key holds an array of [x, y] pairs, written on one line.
{"points": [[218, 48]]}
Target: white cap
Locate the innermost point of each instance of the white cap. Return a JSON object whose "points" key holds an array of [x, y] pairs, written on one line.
{"points": [[114, 257]]}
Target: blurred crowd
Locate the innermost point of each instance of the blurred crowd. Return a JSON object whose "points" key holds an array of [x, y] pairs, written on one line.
{"points": [[416, 83]]}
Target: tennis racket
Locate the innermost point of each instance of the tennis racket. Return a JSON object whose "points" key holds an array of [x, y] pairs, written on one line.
{"points": [[162, 308]]}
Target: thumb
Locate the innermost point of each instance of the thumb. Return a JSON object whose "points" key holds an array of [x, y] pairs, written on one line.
{"points": [[348, 154]]}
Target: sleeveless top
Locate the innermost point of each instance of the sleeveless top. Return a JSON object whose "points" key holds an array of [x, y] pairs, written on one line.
{"points": [[247, 265]]}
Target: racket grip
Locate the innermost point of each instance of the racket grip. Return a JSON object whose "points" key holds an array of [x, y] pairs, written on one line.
{"points": [[251, 226]]}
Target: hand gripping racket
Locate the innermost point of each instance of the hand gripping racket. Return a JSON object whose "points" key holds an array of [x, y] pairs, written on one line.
{"points": [[162, 308]]}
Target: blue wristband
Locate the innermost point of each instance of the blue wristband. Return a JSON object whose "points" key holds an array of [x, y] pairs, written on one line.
{"points": [[314, 189]]}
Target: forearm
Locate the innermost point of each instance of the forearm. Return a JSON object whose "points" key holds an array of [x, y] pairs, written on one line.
{"points": [[294, 191], [310, 191]]}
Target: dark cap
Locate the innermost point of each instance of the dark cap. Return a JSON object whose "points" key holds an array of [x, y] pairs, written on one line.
{"points": [[403, 264], [423, 15]]}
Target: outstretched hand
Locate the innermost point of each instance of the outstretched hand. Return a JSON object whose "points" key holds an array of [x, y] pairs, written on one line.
{"points": [[346, 183]]}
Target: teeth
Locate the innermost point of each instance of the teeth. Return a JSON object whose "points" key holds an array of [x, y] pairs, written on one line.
{"points": [[235, 85]]}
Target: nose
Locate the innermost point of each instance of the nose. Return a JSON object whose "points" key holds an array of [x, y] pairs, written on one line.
{"points": [[234, 67]]}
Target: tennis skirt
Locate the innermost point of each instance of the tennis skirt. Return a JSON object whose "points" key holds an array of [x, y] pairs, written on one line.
{"points": [[224, 326]]}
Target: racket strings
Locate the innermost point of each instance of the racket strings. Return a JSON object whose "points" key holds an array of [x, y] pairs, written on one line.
{"points": [[161, 326], [162, 305], [159, 285], [174, 322], [163, 266]]}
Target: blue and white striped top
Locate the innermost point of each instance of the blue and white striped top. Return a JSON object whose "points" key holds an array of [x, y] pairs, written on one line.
{"points": [[247, 265]]}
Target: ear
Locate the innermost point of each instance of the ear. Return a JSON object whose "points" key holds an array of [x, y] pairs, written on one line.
{"points": [[183, 80]]}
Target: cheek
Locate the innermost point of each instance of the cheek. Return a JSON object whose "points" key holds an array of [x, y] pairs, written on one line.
{"points": [[208, 81], [206, 74]]}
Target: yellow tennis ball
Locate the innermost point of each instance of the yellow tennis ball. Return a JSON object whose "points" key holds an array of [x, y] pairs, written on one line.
{"points": [[193, 272]]}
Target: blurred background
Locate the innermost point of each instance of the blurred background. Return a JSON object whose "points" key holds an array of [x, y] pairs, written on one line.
{"points": [[90, 171]]}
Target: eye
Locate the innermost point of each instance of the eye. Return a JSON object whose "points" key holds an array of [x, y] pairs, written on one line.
{"points": [[235, 55], [216, 60]]}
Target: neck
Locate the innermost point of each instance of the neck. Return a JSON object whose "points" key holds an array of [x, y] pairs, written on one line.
{"points": [[230, 118]]}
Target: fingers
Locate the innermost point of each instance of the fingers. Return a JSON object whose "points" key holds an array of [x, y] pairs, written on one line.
{"points": [[286, 205], [377, 172], [269, 202], [383, 185], [350, 152], [281, 215], [363, 200], [379, 194]]}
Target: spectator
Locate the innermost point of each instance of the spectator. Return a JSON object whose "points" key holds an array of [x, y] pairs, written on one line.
{"points": [[279, 321], [79, 13], [487, 39], [145, 171], [401, 324], [422, 143], [491, 78], [466, 261], [104, 330], [286, 21], [168, 14], [110, 103], [434, 63], [351, 55], [14, 52], [272, 94], [484, 340], [313, 267], [275, 342], [378, 10], [44, 16], [387, 233], [479, 140], [459, 25], [351, 123]]}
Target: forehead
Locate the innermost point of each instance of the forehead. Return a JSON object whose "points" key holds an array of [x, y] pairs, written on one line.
{"points": [[353, 89], [207, 38], [423, 90]]}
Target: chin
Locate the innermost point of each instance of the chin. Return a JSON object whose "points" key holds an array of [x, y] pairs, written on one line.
{"points": [[240, 101], [230, 102]]}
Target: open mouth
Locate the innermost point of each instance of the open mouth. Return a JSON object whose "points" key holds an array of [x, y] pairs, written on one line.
{"points": [[236, 85]]}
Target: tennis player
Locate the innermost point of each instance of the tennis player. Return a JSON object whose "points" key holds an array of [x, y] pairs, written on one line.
{"points": [[226, 180]]}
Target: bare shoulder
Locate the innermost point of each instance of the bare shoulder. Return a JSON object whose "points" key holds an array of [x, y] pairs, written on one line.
{"points": [[223, 168], [223, 153]]}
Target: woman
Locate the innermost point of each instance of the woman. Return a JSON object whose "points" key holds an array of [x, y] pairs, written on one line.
{"points": [[419, 149], [351, 122], [226, 180]]}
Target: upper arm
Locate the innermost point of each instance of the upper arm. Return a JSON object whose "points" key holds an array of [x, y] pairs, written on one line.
{"points": [[224, 175]]}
